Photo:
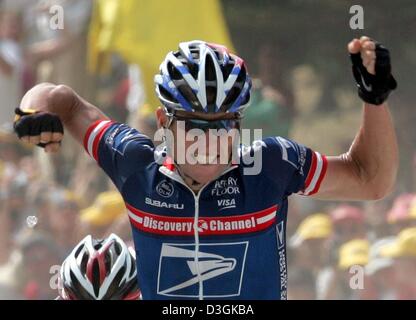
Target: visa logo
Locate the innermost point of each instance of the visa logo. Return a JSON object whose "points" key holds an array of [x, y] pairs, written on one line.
{"points": [[226, 203]]}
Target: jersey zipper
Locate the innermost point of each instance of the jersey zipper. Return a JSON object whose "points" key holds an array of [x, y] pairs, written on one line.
{"points": [[196, 238], [178, 178]]}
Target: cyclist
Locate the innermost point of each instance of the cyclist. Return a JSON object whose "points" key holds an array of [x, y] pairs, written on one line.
{"points": [[204, 229], [99, 270]]}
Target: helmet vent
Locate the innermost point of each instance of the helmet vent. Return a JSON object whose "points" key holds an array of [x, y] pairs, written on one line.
{"points": [[174, 73], [132, 269], [107, 263], [96, 277], [114, 291], [231, 96], [242, 75], [210, 74], [167, 95], [117, 248], [186, 91], [227, 70], [78, 251], [77, 288], [84, 261]]}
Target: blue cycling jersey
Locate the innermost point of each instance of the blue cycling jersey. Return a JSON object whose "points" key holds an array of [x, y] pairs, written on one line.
{"points": [[228, 241]]}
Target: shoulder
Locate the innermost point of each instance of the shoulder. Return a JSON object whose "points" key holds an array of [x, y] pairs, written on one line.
{"points": [[106, 136]]}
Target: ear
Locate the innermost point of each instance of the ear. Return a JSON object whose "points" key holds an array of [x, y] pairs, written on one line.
{"points": [[161, 118]]}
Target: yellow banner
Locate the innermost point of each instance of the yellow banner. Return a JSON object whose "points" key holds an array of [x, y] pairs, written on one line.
{"points": [[144, 31]]}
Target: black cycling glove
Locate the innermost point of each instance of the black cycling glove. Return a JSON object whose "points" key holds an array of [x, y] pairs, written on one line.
{"points": [[376, 88], [32, 123]]}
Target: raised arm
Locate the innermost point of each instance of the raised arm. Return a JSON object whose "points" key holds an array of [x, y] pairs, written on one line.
{"points": [[74, 112], [368, 170]]}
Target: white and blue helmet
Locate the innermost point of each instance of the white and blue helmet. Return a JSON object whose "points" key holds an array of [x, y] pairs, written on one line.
{"points": [[203, 77]]}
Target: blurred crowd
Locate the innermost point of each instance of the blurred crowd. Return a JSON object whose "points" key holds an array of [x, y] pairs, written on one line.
{"points": [[353, 252], [50, 202]]}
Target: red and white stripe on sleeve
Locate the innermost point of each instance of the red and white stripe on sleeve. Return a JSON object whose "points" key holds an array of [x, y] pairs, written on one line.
{"points": [[316, 174], [93, 136]]}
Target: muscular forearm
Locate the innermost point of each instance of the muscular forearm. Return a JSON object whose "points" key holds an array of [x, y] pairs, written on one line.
{"points": [[374, 151]]}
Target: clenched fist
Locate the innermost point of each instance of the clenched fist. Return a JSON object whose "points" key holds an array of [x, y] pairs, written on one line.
{"points": [[39, 128], [371, 68], [367, 50]]}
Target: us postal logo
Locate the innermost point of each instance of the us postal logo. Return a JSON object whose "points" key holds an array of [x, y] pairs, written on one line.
{"points": [[219, 268]]}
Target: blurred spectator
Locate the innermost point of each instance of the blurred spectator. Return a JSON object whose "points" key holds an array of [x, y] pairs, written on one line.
{"points": [[10, 150], [107, 207], [310, 249], [11, 61], [39, 199], [353, 253], [8, 293], [403, 251], [375, 217], [121, 226], [267, 111], [58, 54], [348, 222], [271, 103], [402, 214], [64, 219], [29, 266], [87, 180], [14, 206], [412, 212], [64, 47], [302, 285], [380, 283], [315, 226]]}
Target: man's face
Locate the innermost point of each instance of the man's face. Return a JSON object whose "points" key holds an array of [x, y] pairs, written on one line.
{"points": [[201, 154]]}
